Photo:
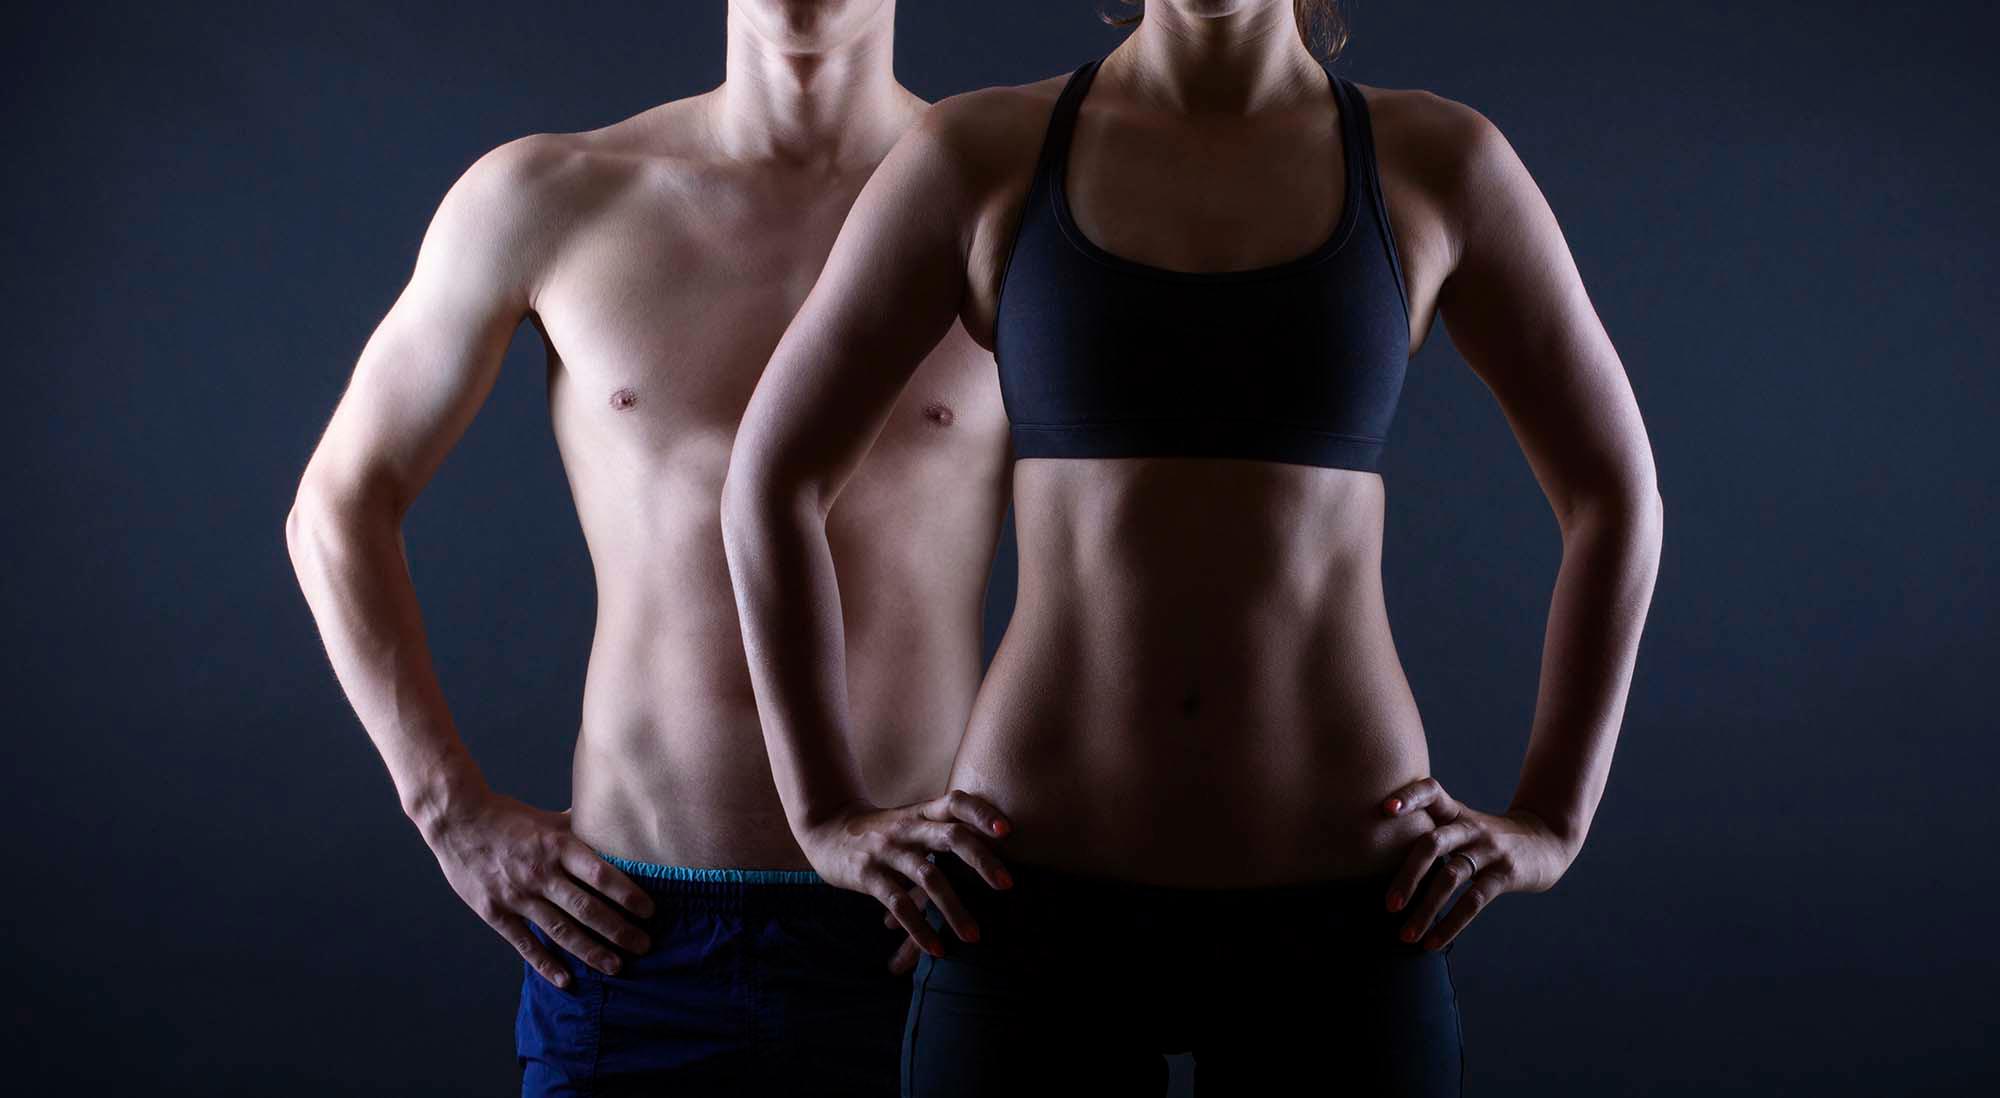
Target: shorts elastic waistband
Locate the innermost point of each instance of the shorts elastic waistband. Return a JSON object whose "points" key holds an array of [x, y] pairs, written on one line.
{"points": [[654, 871], [719, 888]]}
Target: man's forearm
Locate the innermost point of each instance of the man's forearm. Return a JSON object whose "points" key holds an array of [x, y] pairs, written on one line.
{"points": [[350, 564], [1610, 559], [781, 568]]}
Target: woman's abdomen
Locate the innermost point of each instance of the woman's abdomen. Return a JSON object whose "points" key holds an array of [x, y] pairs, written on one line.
{"points": [[1198, 686]]}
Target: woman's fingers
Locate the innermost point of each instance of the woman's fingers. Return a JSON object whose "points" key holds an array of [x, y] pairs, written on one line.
{"points": [[515, 929], [953, 837], [905, 960], [917, 897], [1456, 869], [1424, 793], [889, 892], [566, 933], [914, 865], [1427, 849], [968, 808], [1484, 888]]}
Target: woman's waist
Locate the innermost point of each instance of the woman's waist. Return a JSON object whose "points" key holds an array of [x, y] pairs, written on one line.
{"points": [[1201, 800]]}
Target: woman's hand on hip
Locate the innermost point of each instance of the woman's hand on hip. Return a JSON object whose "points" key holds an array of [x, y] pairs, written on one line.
{"points": [[1490, 855], [885, 852]]}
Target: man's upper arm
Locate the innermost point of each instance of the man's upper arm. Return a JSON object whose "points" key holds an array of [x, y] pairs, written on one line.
{"points": [[890, 290], [1516, 308], [433, 359]]}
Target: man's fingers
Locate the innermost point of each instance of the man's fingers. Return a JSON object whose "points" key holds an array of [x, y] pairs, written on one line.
{"points": [[515, 930], [598, 917], [908, 915], [566, 933], [962, 839], [1422, 793], [969, 808], [1426, 849], [584, 864], [906, 956], [1484, 888]]}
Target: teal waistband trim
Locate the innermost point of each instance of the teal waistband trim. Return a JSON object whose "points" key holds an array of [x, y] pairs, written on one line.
{"points": [[656, 872]]}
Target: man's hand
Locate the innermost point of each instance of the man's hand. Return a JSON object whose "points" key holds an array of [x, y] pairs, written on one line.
{"points": [[515, 864], [885, 853], [1515, 852]]}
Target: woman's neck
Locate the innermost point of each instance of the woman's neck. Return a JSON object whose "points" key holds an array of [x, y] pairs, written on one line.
{"points": [[1238, 62]]}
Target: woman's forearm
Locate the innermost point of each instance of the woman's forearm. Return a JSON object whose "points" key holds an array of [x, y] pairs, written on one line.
{"points": [[1611, 555], [789, 601]]}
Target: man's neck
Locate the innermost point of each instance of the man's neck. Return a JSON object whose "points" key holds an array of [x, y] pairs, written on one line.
{"points": [[833, 107]]}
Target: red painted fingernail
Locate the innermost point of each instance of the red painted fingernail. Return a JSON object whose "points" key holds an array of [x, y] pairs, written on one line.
{"points": [[1006, 879], [999, 827], [1395, 805], [1433, 942], [972, 934], [1395, 901], [1409, 934]]}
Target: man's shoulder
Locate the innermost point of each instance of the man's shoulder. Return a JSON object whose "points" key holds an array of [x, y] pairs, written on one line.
{"points": [[553, 172]]}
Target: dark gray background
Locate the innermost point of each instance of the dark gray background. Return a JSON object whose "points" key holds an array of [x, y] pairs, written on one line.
{"points": [[1783, 212]]}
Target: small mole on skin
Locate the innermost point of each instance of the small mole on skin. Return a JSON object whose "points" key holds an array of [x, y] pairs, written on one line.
{"points": [[938, 412], [624, 400]]}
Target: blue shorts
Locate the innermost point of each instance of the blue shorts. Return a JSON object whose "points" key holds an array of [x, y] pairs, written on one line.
{"points": [[757, 983]]}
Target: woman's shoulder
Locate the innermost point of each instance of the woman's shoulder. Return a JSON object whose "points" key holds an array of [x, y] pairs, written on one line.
{"points": [[988, 132], [1444, 146]]}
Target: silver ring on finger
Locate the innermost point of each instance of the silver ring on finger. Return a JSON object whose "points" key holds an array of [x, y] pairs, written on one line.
{"points": [[1468, 859]]}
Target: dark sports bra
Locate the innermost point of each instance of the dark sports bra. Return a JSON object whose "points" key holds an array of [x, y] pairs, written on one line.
{"points": [[1299, 362]]}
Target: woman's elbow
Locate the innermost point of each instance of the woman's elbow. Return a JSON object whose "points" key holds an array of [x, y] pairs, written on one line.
{"points": [[757, 496], [1636, 508]]}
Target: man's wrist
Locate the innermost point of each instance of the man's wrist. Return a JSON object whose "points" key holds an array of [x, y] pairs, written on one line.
{"points": [[442, 796]]}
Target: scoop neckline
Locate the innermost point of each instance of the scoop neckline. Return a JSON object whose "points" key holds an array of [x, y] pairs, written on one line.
{"points": [[1343, 226]]}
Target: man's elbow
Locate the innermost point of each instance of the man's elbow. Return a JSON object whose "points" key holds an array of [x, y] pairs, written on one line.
{"points": [[325, 517]]}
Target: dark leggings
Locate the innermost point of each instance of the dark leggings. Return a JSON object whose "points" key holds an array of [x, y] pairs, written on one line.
{"points": [[1081, 985]]}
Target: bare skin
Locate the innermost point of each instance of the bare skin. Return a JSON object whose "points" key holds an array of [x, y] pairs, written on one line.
{"points": [[1199, 685], [660, 258]]}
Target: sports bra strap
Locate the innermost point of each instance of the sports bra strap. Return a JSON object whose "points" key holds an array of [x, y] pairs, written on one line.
{"points": [[1062, 123]]}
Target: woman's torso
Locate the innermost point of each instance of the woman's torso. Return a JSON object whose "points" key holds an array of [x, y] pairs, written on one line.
{"points": [[1199, 685]]}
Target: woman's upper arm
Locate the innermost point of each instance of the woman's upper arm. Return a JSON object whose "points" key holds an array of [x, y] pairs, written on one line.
{"points": [[1517, 310], [890, 290]]}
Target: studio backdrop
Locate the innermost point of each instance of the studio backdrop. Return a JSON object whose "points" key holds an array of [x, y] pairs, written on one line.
{"points": [[1783, 212]]}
